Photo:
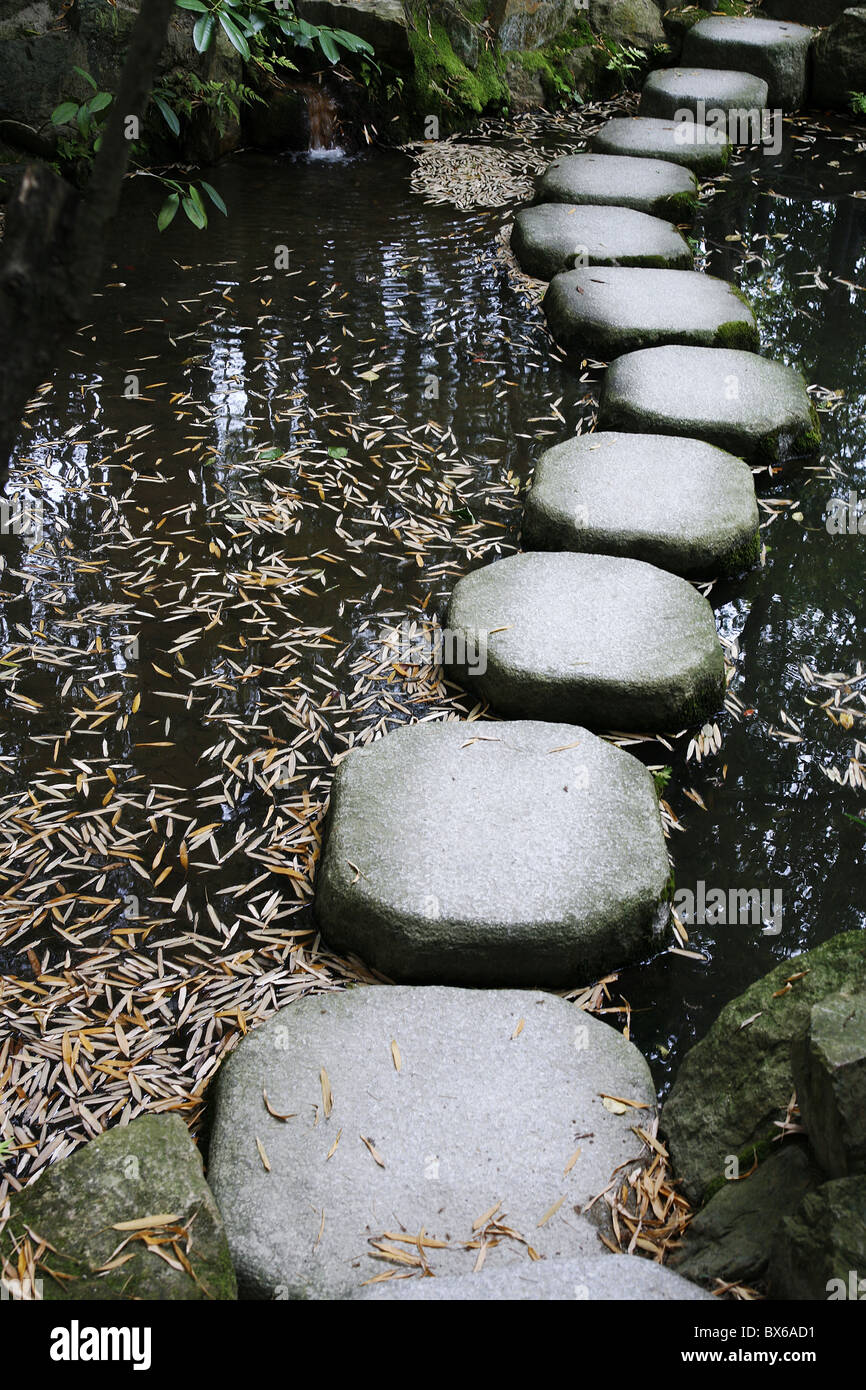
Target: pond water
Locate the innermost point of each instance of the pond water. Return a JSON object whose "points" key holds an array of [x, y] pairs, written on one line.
{"points": [[278, 437]]}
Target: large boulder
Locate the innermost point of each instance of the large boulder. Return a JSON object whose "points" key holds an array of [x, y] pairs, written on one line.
{"points": [[493, 854], [737, 1082], [592, 639], [820, 1251], [106, 1210], [830, 1076], [839, 65], [528, 24], [631, 23], [731, 1238], [595, 1277], [391, 1128], [675, 503]]}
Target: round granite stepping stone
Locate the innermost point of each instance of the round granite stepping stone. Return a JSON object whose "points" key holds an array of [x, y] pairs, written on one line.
{"points": [[701, 148], [441, 1109], [700, 91], [615, 1278], [595, 639], [552, 237], [676, 503], [493, 854], [737, 400], [606, 311], [655, 186], [775, 51]]}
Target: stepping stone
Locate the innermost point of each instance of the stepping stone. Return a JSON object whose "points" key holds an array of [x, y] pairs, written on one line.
{"points": [[606, 311], [737, 400], [701, 148], [595, 639], [552, 237], [472, 1103], [775, 51], [149, 1167], [676, 503], [493, 854], [699, 91], [619, 1278], [654, 186]]}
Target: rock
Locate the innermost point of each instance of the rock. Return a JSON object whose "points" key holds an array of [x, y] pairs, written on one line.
{"points": [[594, 639], [701, 148], [604, 312], [820, 1251], [563, 876], [473, 1101], [652, 186], [632, 23], [736, 400], [669, 91], [839, 66], [777, 52], [812, 12], [149, 1167], [551, 237], [525, 87], [528, 24], [613, 1277], [738, 1080], [731, 1238], [829, 1066], [37, 74], [676, 503], [382, 23]]}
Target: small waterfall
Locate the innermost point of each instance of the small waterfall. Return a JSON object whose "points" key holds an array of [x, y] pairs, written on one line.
{"points": [[322, 115]]}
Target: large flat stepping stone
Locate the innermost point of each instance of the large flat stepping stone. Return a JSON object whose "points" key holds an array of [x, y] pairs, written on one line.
{"points": [[493, 854], [613, 1278], [702, 148], [606, 311], [736, 400], [552, 237], [594, 639], [85, 1207], [446, 1111], [654, 186], [676, 503], [701, 91], [777, 52]]}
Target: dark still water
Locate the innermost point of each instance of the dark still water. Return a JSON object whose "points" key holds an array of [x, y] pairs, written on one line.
{"points": [[277, 439]]}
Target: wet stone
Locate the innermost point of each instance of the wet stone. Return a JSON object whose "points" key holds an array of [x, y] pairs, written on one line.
{"points": [[552, 237], [680, 504], [606, 311], [703, 149], [777, 52], [699, 91], [616, 644], [654, 186], [414, 1108], [743, 403], [492, 854]]}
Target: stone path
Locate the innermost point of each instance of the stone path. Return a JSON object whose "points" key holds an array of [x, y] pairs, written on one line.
{"points": [[419, 1110], [529, 853], [606, 311], [676, 503], [395, 1132], [554, 236]]}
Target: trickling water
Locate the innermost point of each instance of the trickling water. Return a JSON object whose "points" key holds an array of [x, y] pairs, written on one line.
{"points": [[322, 114]]}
